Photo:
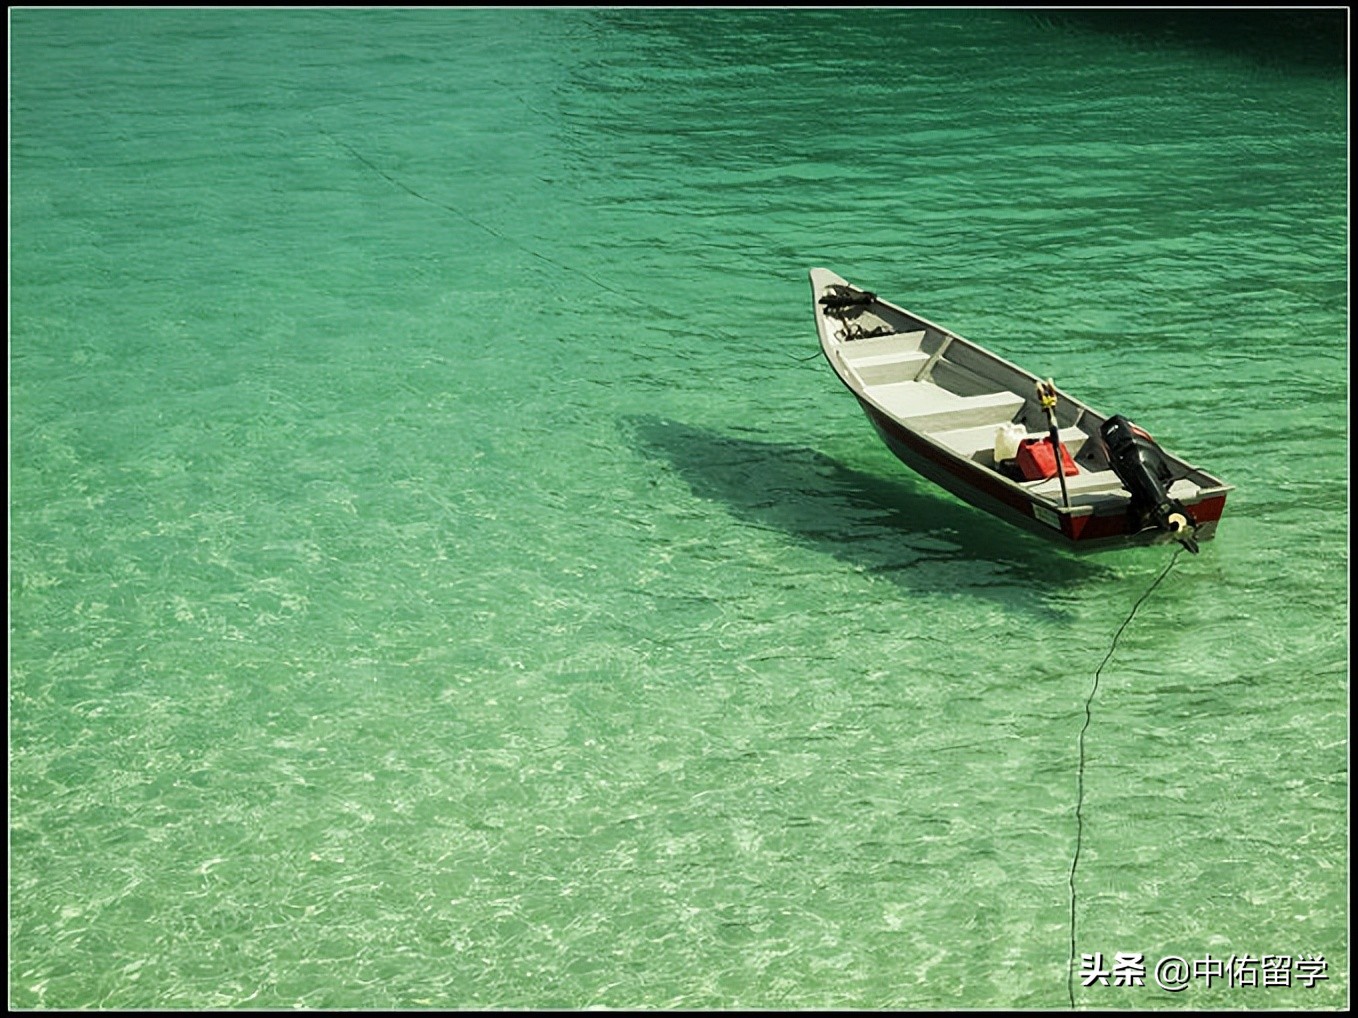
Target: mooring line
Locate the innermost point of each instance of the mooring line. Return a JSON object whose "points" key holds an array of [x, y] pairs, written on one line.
{"points": [[1080, 771], [454, 210], [400, 184]]}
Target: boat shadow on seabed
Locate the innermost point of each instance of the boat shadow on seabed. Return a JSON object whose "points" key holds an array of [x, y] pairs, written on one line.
{"points": [[925, 541]]}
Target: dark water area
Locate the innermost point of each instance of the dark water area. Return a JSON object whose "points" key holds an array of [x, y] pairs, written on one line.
{"points": [[1314, 40]]}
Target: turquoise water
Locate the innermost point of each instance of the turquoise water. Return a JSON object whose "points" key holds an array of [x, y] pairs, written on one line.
{"points": [[442, 574]]}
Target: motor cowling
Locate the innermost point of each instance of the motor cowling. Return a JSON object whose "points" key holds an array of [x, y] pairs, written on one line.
{"points": [[1145, 472]]}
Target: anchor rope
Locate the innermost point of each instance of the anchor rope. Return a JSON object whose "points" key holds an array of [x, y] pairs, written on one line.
{"points": [[462, 214], [1080, 770], [467, 218]]}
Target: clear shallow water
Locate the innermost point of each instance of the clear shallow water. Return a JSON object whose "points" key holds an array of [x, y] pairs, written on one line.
{"points": [[439, 576]]}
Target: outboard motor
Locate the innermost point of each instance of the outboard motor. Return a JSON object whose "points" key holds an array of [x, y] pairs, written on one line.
{"points": [[1141, 466]]}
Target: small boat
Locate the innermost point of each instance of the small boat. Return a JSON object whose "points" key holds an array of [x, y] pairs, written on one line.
{"points": [[1003, 439]]}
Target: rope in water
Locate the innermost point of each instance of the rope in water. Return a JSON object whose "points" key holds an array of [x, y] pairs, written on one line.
{"points": [[1080, 771], [465, 217]]}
